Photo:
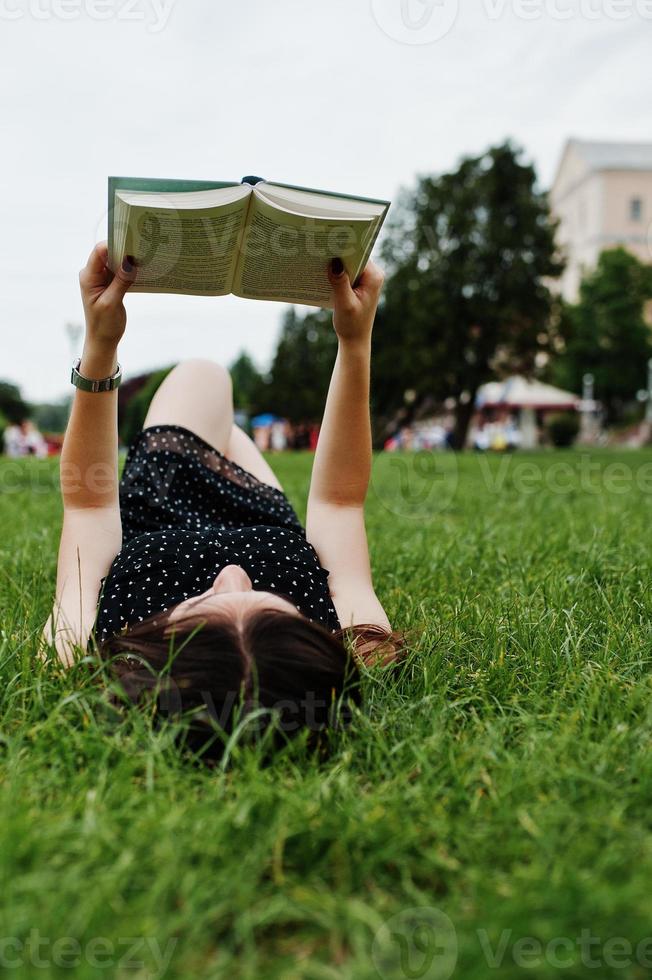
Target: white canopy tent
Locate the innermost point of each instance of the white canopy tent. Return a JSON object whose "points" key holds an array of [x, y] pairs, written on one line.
{"points": [[519, 392], [529, 397]]}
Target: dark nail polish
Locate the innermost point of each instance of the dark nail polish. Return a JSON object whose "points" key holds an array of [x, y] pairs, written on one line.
{"points": [[128, 264], [337, 267]]}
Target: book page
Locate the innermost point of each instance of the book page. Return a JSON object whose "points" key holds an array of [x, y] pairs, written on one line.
{"points": [[321, 204], [179, 245], [284, 256]]}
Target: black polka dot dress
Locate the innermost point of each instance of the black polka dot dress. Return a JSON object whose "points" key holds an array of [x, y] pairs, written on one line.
{"points": [[187, 512]]}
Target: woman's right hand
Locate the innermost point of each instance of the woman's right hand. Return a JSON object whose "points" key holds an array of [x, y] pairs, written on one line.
{"points": [[102, 295], [354, 308]]}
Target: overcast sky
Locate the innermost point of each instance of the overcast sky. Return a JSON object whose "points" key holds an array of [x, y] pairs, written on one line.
{"points": [[349, 95]]}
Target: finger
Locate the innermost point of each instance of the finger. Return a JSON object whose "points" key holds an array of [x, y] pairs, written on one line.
{"points": [[122, 280], [338, 277], [98, 259], [372, 279], [96, 274]]}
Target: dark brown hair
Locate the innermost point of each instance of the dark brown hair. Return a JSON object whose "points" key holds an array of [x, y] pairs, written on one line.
{"points": [[276, 670]]}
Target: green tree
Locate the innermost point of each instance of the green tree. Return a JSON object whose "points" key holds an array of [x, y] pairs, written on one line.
{"points": [[297, 383], [136, 408], [12, 405], [606, 332], [52, 416], [246, 383], [470, 257]]}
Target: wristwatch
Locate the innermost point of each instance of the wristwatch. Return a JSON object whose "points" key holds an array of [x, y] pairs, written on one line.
{"points": [[85, 384]]}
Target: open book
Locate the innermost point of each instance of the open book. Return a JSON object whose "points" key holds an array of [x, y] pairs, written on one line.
{"points": [[256, 239]]}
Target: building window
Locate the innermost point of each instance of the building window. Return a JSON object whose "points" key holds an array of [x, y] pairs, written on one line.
{"points": [[636, 209]]}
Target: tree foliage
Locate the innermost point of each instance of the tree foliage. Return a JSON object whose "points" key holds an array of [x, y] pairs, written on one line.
{"points": [[136, 408], [606, 332], [298, 380], [246, 380], [52, 416], [12, 405], [470, 256]]}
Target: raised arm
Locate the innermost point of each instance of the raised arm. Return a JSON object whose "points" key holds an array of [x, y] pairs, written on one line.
{"points": [[342, 467], [91, 535]]}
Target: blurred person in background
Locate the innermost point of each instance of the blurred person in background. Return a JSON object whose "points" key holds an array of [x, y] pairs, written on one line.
{"points": [[24, 439]]}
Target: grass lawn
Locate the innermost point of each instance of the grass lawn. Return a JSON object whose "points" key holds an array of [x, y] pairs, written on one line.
{"points": [[489, 813]]}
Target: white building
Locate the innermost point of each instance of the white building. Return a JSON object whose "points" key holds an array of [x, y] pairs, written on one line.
{"points": [[602, 196]]}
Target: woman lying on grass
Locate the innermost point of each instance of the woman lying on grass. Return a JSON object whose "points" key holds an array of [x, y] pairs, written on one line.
{"points": [[194, 565]]}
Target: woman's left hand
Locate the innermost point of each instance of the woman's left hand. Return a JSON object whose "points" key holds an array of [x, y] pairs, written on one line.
{"points": [[102, 295], [354, 307]]}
